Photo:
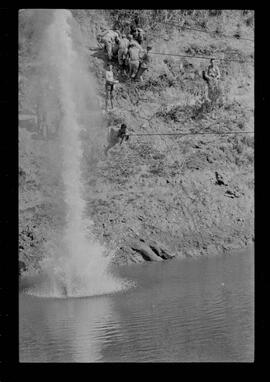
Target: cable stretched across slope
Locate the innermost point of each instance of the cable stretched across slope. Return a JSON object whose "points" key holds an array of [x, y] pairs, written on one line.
{"points": [[199, 57], [199, 133]]}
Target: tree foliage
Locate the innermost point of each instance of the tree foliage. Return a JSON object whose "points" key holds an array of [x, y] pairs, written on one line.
{"points": [[152, 18]]}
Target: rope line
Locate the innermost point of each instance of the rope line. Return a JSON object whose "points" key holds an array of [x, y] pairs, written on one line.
{"points": [[202, 133], [199, 57], [208, 32]]}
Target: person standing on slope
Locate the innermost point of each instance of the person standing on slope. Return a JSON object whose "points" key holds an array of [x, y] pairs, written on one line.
{"points": [[211, 76], [133, 59], [123, 43], [144, 64], [109, 86]]}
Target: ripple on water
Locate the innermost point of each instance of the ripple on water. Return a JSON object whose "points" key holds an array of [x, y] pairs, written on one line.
{"points": [[157, 323]]}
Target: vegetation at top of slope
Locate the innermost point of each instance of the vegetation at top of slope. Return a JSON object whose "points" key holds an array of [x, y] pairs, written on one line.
{"points": [[160, 20]]}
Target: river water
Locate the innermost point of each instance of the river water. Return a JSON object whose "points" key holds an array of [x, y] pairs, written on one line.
{"points": [[190, 310]]}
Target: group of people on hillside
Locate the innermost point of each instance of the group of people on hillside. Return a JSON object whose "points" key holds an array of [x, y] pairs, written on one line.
{"points": [[118, 134], [127, 47], [130, 54]]}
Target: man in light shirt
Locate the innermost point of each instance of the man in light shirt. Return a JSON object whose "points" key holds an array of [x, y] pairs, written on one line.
{"points": [[109, 85]]}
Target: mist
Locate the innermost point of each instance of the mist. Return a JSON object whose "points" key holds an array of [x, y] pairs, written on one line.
{"points": [[75, 264]]}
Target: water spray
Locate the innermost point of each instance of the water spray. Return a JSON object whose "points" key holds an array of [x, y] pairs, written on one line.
{"points": [[77, 265]]}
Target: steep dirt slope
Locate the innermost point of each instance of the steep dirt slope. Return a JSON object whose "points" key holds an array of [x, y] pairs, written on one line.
{"points": [[154, 197], [158, 197]]}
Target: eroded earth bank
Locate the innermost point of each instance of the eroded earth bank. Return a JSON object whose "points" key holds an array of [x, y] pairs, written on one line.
{"points": [[154, 197]]}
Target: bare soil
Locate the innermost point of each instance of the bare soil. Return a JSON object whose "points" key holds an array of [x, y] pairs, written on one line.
{"points": [[154, 197]]}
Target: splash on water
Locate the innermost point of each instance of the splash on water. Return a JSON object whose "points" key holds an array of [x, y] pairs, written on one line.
{"points": [[76, 265]]}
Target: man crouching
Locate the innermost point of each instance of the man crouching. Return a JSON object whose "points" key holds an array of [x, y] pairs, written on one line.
{"points": [[116, 135]]}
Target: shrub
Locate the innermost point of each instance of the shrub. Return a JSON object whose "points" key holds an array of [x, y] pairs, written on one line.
{"points": [[249, 157], [203, 24], [148, 19], [239, 148], [218, 30], [157, 169], [238, 145], [200, 110], [250, 21], [158, 81], [175, 67], [241, 125], [215, 12], [113, 119], [237, 34], [176, 113], [248, 141]]}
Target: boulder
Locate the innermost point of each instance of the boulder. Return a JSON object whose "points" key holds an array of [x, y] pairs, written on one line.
{"points": [[145, 251]]}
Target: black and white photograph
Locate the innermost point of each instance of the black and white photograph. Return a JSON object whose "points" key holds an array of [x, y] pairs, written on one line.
{"points": [[136, 185]]}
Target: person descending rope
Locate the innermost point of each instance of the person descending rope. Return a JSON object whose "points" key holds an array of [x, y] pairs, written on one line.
{"points": [[116, 135], [144, 64], [109, 85], [211, 76]]}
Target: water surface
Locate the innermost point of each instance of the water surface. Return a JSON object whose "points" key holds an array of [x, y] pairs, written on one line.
{"points": [[191, 310]]}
